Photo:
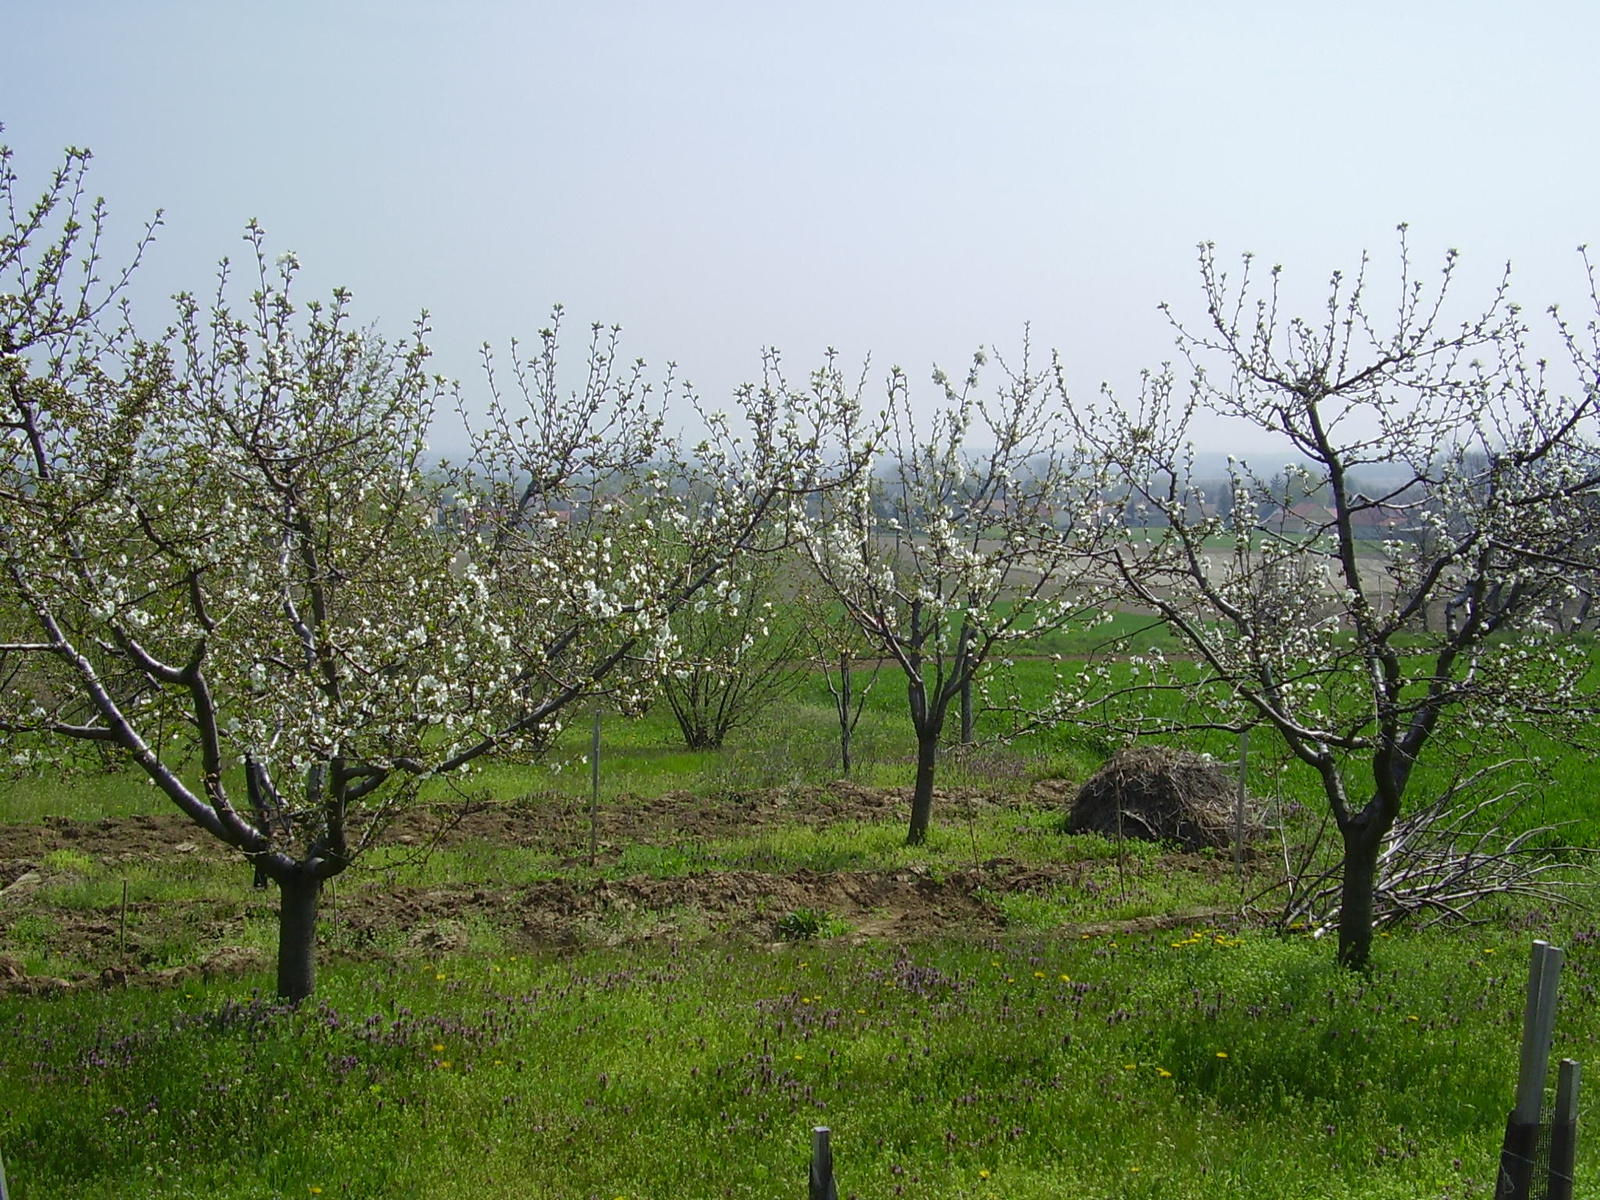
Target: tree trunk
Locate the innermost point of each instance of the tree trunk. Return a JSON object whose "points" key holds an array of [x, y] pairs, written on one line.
{"points": [[844, 713], [922, 795], [1362, 840], [297, 935]]}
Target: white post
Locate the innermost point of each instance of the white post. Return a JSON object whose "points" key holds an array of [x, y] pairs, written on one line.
{"points": [[1538, 1026], [1515, 1180], [3, 1193]]}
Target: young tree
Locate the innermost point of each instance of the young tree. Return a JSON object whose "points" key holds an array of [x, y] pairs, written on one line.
{"points": [[225, 554], [837, 647], [966, 542], [1369, 626], [227, 549], [734, 659]]}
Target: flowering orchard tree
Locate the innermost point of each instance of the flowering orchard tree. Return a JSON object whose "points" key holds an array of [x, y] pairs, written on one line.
{"points": [[225, 555], [970, 539], [639, 540], [226, 552], [735, 660], [1381, 597]]}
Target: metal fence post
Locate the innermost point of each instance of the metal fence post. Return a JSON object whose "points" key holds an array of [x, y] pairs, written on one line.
{"points": [[1564, 1132], [822, 1186], [1518, 1150]]}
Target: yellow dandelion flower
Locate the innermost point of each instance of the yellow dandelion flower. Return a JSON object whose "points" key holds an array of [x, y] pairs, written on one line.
{"points": [[984, 1174], [1413, 1017], [438, 1047], [1038, 974], [1164, 1073], [1130, 1066], [1066, 979], [440, 975], [1222, 1054]]}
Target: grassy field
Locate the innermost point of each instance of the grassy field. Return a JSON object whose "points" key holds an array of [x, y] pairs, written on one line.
{"points": [[1112, 1027], [1195, 1063]]}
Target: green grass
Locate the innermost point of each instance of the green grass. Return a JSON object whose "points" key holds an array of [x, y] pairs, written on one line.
{"points": [[1188, 1064], [1196, 1062], [79, 793]]}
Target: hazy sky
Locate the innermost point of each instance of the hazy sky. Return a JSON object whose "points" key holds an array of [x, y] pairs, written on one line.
{"points": [[906, 179]]}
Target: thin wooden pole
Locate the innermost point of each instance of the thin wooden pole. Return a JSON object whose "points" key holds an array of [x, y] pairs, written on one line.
{"points": [[4, 1195], [1238, 807], [844, 712], [594, 791], [1564, 1132], [122, 946], [822, 1185]]}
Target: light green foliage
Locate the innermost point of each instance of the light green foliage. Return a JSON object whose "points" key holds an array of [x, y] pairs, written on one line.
{"points": [[810, 924]]}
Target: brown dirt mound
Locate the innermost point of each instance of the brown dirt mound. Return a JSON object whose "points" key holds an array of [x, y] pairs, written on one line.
{"points": [[1162, 795]]}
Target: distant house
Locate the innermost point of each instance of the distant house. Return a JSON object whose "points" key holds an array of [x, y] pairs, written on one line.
{"points": [[1368, 518], [1373, 518]]}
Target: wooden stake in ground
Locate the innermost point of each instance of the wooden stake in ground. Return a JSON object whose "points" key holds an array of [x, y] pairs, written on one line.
{"points": [[594, 790], [3, 1193], [1238, 807], [122, 948]]}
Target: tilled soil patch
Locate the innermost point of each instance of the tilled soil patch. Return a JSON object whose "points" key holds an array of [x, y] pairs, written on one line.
{"points": [[369, 916]]}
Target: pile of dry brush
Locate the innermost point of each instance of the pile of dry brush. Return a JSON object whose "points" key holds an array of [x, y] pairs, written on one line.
{"points": [[1160, 794]]}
